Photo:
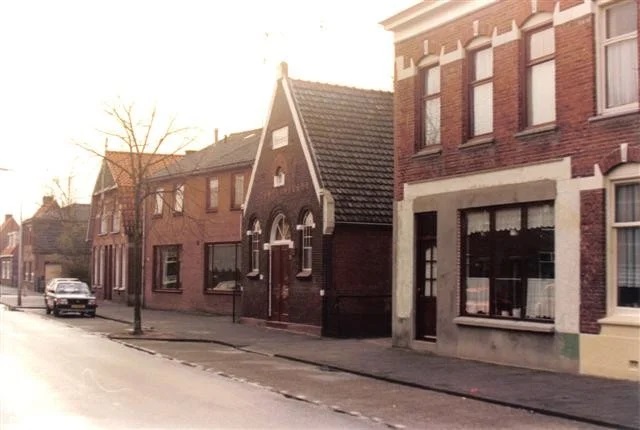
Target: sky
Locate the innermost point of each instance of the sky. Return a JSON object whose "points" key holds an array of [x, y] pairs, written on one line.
{"points": [[207, 63]]}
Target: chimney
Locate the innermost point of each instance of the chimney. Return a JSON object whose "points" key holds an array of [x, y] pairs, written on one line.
{"points": [[7, 217], [283, 70], [46, 200], [215, 135], [189, 151]]}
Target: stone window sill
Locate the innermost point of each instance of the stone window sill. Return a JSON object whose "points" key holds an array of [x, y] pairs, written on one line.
{"points": [[429, 151], [536, 130], [304, 274], [478, 141], [630, 320], [254, 274], [613, 115], [167, 291], [530, 326]]}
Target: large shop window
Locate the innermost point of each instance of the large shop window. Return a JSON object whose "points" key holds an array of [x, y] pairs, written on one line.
{"points": [[222, 266], [626, 236], [508, 262], [166, 264]]}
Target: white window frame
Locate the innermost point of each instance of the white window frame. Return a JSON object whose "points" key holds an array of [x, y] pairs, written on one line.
{"points": [[159, 203], [280, 137], [116, 221], [279, 178], [601, 44], [622, 175], [431, 89], [549, 85], [178, 199], [476, 82], [306, 242], [211, 205], [238, 191], [256, 234]]}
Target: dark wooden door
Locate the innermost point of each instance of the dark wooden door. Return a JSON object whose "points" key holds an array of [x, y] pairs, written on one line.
{"points": [[280, 269], [426, 276]]}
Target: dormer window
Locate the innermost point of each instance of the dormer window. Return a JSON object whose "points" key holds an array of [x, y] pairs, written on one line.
{"points": [[278, 178]]}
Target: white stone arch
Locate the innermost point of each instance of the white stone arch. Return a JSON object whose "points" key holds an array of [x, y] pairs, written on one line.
{"points": [[280, 231]]}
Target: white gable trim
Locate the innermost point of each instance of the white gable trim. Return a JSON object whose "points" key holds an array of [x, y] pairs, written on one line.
{"points": [[259, 151], [303, 140]]}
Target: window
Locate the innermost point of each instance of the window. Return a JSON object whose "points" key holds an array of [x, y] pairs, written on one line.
{"points": [[222, 266], [481, 89], [212, 194], [508, 262], [625, 238], [280, 137], [618, 55], [430, 106], [104, 222], [118, 267], [541, 76], [307, 239], [117, 220], [157, 208], [280, 230], [278, 178], [178, 199], [256, 232], [238, 191], [166, 265]]}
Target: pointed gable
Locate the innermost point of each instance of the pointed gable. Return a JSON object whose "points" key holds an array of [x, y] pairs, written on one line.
{"points": [[350, 132]]}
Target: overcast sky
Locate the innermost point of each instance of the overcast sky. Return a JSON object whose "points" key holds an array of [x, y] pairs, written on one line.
{"points": [[210, 63]]}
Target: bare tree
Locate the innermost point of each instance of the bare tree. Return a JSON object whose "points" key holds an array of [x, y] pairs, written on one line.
{"points": [[150, 145]]}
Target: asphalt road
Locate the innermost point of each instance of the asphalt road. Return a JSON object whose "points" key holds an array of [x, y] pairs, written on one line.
{"points": [[391, 404], [53, 375]]}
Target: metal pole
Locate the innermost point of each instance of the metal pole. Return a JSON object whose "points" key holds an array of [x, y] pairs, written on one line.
{"points": [[20, 261]]}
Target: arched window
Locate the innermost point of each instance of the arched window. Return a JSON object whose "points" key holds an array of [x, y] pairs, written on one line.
{"points": [[307, 241], [278, 178], [280, 231], [256, 233]]}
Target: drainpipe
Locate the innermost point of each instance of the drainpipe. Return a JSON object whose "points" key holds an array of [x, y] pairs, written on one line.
{"points": [[268, 246]]}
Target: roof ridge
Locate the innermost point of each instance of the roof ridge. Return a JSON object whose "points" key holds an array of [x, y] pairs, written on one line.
{"points": [[341, 86]]}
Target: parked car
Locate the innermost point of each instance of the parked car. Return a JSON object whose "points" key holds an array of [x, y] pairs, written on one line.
{"points": [[69, 295]]}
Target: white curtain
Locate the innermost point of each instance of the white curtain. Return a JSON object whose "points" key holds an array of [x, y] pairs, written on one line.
{"points": [[622, 72], [540, 298], [477, 295], [483, 109], [540, 216], [477, 222], [508, 219]]}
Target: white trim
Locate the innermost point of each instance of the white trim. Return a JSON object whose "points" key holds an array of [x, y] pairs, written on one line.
{"points": [[504, 38], [505, 324], [303, 141], [403, 72], [576, 12], [452, 56]]}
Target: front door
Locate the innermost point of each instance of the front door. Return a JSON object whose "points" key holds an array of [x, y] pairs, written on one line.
{"points": [[426, 276], [280, 268]]}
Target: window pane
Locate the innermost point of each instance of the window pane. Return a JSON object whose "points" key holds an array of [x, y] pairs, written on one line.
{"points": [[622, 19], [628, 267], [213, 193], [541, 93], [541, 44], [483, 64], [483, 109], [622, 72], [224, 271], [627, 203], [432, 121], [432, 80], [478, 259]]}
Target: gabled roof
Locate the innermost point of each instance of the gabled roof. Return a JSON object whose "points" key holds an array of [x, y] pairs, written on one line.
{"points": [[350, 133], [236, 150], [118, 166]]}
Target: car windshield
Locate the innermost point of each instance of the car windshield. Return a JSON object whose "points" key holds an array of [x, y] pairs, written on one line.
{"points": [[72, 288]]}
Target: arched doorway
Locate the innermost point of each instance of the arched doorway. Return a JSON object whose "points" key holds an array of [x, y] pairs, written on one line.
{"points": [[280, 268]]}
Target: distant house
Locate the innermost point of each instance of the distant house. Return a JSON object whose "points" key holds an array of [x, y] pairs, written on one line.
{"points": [[53, 243], [517, 183], [112, 217], [193, 227], [318, 214], [9, 249]]}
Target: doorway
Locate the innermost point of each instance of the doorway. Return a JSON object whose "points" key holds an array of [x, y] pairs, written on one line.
{"points": [[426, 276]]}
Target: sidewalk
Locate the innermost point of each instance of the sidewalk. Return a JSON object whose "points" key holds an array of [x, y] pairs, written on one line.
{"points": [[599, 401]]}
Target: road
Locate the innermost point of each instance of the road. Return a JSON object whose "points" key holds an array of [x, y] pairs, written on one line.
{"points": [[100, 366], [53, 375]]}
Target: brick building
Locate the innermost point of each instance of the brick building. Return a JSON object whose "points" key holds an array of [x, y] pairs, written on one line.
{"points": [[54, 243], [112, 217], [193, 227], [9, 232], [317, 250], [517, 183]]}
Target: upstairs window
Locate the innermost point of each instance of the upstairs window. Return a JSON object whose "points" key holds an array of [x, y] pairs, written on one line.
{"points": [[280, 137], [540, 76], [278, 178], [178, 199], [117, 220], [481, 92], [238, 191], [430, 107], [157, 208], [104, 222], [212, 194], [618, 55]]}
